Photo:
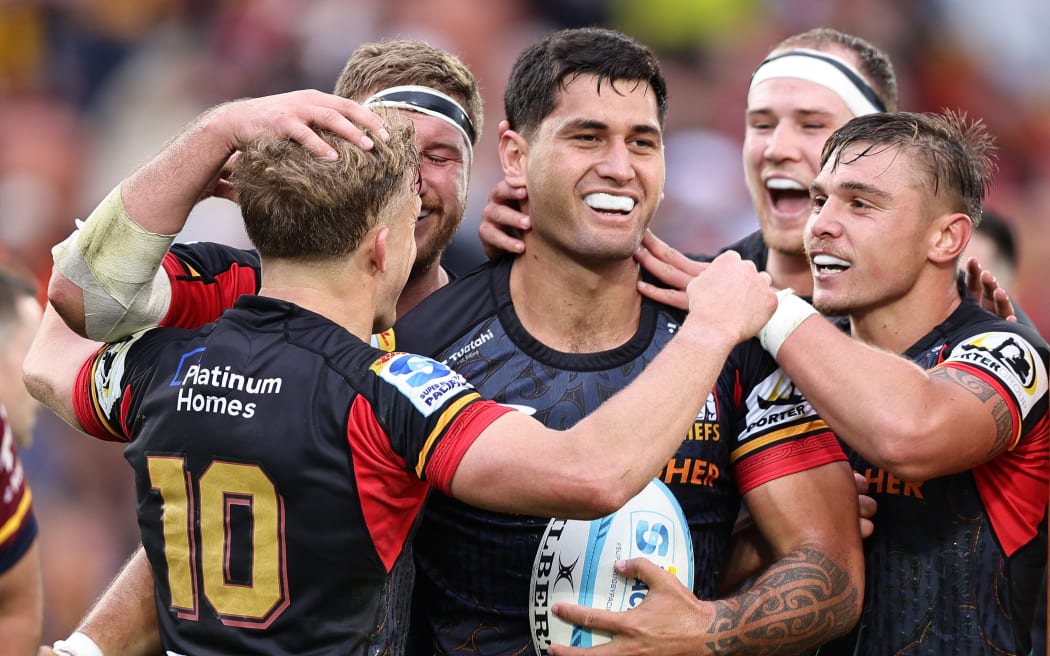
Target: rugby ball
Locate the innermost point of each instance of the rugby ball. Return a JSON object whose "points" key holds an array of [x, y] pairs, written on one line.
{"points": [[574, 563]]}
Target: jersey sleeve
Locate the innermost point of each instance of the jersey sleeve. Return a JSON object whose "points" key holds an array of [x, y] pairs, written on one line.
{"points": [[206, 279], [106, 383], [18, 526], [1012, 365], [778, 432], [431, 414]]}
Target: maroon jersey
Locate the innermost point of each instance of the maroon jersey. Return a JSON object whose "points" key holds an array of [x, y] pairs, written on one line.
{"points": [[17, 523]]}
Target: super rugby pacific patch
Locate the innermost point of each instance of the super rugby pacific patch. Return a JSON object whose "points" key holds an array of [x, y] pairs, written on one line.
{"points": [[427, 383]]}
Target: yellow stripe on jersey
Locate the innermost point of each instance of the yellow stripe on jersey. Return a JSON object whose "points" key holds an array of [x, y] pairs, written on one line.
{"points": [[10, 526], [443, 421], [785, 433]]}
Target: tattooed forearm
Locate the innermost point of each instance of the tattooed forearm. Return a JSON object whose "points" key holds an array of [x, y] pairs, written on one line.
{"points": [[803, 600], [1004, 426]]}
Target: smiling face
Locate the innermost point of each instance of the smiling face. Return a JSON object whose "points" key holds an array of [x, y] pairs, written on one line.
{"points": [[445, 160], [870, 230], [595, 170], [788, 120]]}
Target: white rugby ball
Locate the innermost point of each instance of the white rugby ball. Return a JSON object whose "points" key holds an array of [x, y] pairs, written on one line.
{"points": [[574, 563]]}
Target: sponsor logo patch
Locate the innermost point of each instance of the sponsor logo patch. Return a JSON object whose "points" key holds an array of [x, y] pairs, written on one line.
{"points": [[428, 384], [1009, 358], [773, 403]]}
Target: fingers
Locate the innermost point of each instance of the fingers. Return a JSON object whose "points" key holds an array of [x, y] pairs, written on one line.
{"points": [[675, 298], [973, 278], [1004, 307], [497, 240], [866, 505], [502, 221], [675, 272], [297, 115]]}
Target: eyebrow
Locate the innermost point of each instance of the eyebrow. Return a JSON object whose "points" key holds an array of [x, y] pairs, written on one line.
{"points": [[592, 124], [854, 186], [795, 112]]}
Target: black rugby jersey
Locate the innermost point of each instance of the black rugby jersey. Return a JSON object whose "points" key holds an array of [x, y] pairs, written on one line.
{"points": [[280, 468], [473, 566], [956, 563]]}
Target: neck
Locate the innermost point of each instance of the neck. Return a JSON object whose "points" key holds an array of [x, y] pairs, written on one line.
{"points": [[419, 287], [790, 270], [574, 307], [337, 291], [898, 324]]}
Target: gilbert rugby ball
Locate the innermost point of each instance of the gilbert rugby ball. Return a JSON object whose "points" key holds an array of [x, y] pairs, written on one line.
{"points": [[574, 563]]}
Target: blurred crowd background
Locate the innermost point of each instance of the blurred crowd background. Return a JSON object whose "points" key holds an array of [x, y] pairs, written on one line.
{"points": [[91, 88]]}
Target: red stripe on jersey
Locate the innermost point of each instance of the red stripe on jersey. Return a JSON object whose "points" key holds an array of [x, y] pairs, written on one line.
{"points": [[86, 408], [1015, 517], [460, 435], [196, 301], [391, 496], [787, 458]]}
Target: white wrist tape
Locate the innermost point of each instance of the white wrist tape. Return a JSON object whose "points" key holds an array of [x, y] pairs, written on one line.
{"points": [[117, 263], [790, 313], [77, 644]]}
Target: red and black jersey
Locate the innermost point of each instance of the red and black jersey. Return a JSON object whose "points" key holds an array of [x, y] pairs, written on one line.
{"points": [[18, 526], [280, 466], [956, 563], [474, 566]]}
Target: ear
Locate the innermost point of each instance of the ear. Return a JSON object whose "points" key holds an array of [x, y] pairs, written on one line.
{"points": [[378, 236], [513, 152], [950, 233]]}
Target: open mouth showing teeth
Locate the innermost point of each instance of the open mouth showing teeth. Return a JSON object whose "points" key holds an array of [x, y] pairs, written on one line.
{"points": [[787, 195], [830, 264], [608, 203]]}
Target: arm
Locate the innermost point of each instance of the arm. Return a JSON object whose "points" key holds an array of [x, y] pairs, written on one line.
{"points": [[594, 467], [107, 282], [750, 553], [809, 595], [22, 604], [124, 620], [943, 420], [51, 366]]}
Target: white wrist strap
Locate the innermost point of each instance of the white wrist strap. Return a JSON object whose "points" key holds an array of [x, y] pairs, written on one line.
{"points": [[790, 313], [77, 644]]}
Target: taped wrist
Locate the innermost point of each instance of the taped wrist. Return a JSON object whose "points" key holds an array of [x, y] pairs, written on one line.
{"points": [[117, 263], [77, 644], [790, 313]]}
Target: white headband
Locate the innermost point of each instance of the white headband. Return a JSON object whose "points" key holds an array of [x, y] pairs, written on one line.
{"points": [[825, 70], [426, 101]]}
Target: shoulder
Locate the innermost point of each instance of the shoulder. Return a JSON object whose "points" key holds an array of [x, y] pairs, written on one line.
{"points": [[452, 310]]}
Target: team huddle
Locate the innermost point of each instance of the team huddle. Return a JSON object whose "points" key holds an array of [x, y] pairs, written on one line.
{"points": [[342, 447]]}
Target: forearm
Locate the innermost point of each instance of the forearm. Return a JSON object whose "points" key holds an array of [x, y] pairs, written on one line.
{"points": [[805, 599], [885, 407], [124, 620], [22, 605], [160, 195]]}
